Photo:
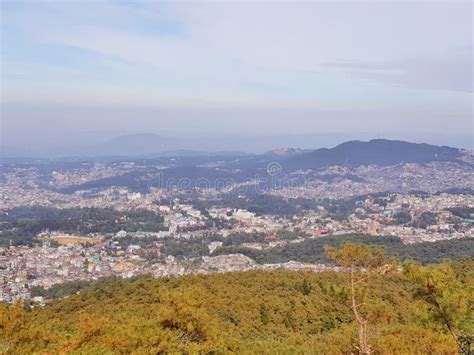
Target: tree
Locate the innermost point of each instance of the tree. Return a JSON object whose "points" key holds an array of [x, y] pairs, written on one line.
{"points": [[402, 217], [12, 323], [361, 261], [305, 287], [425, 219], [449, 300], [264, 317]]}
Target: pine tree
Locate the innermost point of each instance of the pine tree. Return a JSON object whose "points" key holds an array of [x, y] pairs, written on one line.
{"points": [[361, 261]]}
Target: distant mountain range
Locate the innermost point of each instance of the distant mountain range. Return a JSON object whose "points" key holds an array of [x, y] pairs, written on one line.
{"points": [[201, 153], [380, 152], [377, 151], [287, 152], [193, 166], [154, 145]]}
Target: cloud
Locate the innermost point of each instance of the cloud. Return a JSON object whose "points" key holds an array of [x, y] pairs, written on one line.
{"points": [[450, 71], [382, 64], [240, 41]]}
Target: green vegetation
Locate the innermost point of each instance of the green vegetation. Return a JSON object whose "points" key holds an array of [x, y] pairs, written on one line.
{"points": [[362, 263], [312, 250], [61, 290], [239, 238], [197, 246], [251, 312], [447, 293], [463, 212], [402, 217], [425, 219], [22, 224], [260, 204], [185, 248]]}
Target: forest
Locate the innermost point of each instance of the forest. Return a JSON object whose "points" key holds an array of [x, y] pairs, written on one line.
{"points": [[312, 250], [281, 311], [22, 224]]}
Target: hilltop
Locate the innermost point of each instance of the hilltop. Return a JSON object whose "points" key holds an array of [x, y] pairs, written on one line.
{"points": [[382, 152]]}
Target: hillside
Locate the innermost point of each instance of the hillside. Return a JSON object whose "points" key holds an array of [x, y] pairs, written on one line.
{"points": [[380, 152], [250, 312], [286, 152], [312, 250]]}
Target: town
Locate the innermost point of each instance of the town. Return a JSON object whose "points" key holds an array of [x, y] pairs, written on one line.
{"points": [[189, 235]]}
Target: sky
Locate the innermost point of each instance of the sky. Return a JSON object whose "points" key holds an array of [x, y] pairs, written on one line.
{"points": [[76, 72]]}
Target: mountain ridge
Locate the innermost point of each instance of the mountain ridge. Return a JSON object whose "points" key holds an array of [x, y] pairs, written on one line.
{"points": [[382, 152]]}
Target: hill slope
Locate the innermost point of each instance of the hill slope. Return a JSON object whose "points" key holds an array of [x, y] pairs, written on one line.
{"points": [[250, 312], [377, 151]]}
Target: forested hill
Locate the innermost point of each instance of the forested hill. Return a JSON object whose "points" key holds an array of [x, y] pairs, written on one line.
{"points": [[380, 152], [251, 312], [312, 250]]}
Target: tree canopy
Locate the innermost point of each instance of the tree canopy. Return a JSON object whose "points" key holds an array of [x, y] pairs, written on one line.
{"points": [[246, 312]]}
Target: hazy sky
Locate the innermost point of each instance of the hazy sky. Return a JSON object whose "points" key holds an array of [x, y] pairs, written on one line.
{"points": [[243, 68]]}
